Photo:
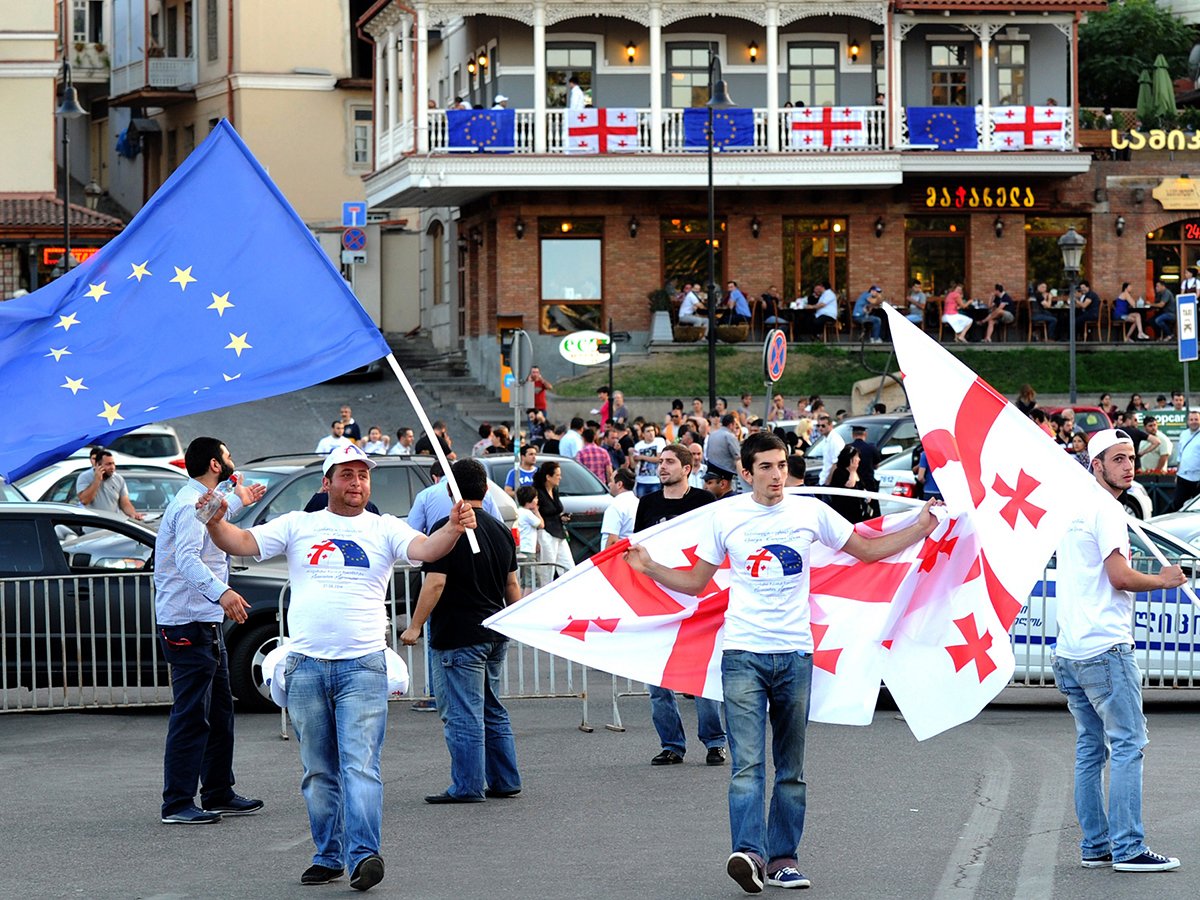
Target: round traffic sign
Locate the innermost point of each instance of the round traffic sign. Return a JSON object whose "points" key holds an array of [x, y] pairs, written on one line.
{"points": [[354, 239], [774, 354]]}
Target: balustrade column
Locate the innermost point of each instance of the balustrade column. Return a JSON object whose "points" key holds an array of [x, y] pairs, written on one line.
{"points": [[656, 79], [539, 78]]}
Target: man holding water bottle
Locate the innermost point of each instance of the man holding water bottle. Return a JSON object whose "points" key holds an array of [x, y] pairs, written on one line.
{"points": [[193, 596]]}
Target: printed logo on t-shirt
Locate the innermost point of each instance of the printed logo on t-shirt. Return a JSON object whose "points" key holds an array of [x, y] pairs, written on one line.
{"points": [[352, 554], [773, 560]]}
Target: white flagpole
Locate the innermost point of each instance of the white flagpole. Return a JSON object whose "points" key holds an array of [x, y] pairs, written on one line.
{"points": [[433, 440], [1136, 527]]}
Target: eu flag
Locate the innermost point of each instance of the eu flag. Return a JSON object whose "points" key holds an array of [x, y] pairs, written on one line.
{"points": [[215, 294], [731, 128], [481, 129], [949, 127]]}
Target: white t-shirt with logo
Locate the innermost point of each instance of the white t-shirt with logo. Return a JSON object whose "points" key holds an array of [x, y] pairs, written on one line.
{"points": [[647, 472], [339, 567], [1092, 614], [620, 515], [768, 549]]}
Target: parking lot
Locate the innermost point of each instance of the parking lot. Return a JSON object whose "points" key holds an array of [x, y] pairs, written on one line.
{"points": [[981, 811]]}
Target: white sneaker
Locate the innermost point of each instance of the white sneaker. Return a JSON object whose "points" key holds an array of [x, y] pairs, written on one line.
{"points": [[1149, 861]]}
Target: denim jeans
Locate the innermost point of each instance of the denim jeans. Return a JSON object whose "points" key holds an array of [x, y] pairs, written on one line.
{"points": [[339, 709], [870, 323], [199, 749], [664, 712], [478, 733], [758, 686], [1104, 694]]}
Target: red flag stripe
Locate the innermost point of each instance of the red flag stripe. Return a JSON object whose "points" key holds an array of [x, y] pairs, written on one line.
{"points": [[875, 582], [687, 666]]}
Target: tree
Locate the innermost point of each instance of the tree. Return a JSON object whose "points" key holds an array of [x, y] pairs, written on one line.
{"points": [[1114, 46]]}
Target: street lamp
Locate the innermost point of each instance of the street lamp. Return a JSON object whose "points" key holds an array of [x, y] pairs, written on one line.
{"points": [[1071, 244], [69, 109], [718, 98]]}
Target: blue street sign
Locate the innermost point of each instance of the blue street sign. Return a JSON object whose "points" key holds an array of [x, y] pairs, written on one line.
{"points": [[354, 239], [1185, 327], [354, 214]]}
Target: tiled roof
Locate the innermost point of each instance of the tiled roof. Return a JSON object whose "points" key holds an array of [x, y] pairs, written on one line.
{"points": [[26, 212], [1002, 5]]}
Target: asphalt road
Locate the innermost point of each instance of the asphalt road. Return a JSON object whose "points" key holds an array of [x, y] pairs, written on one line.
{"points": [[983, 811]]}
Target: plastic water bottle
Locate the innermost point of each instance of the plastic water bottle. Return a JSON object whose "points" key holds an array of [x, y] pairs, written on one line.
{"points": [[222, 490]]}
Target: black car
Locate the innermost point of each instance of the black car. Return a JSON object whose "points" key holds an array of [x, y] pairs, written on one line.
{"points": [[892, 433]]}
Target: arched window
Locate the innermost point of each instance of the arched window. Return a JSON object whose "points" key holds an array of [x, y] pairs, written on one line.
{"points": [[437, 263]]}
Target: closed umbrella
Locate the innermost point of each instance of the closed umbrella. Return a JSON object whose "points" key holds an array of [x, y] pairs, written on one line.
{"points": [[1163, 90], [1145, 98]]}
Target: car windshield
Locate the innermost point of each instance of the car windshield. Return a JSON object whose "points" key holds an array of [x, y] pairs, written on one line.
{"points": [[148, 445], [9, 494], [875, 433], [577, 481]]}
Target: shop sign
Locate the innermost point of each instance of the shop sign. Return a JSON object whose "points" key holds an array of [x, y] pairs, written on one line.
{"points": [[1178, 193], [970, 196], [585, 348], [1155, 139]]}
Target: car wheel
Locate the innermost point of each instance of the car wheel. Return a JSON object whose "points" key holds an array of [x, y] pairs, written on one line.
{"points": [[245, 667], [1132, 507]]}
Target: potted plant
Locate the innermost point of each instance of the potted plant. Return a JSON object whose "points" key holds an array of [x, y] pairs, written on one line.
{"points": [[733, 334], [662, 307]]}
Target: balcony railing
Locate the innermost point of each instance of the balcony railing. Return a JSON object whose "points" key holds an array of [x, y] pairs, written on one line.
{"points": [[164, 72]]}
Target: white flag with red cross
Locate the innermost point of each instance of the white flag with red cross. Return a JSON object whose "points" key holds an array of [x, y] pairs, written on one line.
{"points": [[594, 130], [827, 127], [1029, 128]]}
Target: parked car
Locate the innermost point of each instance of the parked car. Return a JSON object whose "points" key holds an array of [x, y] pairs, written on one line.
{"points": [[891, 433], [150, 443], [1183, 524], [584, 496], [10, 493], [1088, 419], [151, 486]]}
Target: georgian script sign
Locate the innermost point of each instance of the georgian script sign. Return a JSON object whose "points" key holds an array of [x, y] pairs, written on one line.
{"points": [[1155, 139]]}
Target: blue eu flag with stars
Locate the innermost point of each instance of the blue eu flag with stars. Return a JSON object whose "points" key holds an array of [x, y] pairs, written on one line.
{"points": [[216, 293], [481, 129], [732, 128], [947, 127]]}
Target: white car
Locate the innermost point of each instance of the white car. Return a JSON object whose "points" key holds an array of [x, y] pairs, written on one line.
{"points": [[151, 485], [156, 443]]}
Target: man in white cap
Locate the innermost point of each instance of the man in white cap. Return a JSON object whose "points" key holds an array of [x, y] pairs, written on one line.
{"points": [[501, 102], [1095, 668], [340, 561]]}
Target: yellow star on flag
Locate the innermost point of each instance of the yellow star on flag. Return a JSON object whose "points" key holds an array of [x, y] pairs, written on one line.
{"points": [[75, 384], [220, 303], [231, 377], [237, 343], [65, 322], [59, 354], [140, 271], [112, 413], [183, 277], [96, 291]]}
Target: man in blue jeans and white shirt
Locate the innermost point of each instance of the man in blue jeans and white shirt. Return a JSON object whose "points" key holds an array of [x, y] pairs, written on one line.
{"points": [[340, 561], [766, 664], [1095, 668]]}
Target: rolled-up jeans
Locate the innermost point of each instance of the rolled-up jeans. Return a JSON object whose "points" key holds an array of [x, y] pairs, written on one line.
{"points": [[339, 709], [1104, 694]]}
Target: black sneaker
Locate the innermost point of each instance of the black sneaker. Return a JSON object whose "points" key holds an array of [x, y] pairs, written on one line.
{"points": [[192, 815], [317, 874], [1149, 861], [715, 757], [235, 806], [1097, 862], [746, 872], [368, 873], [667, 758]]}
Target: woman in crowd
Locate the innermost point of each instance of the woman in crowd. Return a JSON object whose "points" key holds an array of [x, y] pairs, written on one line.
{"points": [[1078, 448], [960, 324], [1136, 404], [553, 545], [1123, 311], [1110, 408], [1027, 399], [845, 475], [803, 435]]}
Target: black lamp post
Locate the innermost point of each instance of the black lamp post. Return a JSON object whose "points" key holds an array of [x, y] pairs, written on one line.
{"points": [[1071, 244], [69, 109], [718, 98]]}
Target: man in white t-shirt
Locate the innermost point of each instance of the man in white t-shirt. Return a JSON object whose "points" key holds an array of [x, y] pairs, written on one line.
{"points": [[767, 658], [340, 562], [1094, 664], [1156, 451], [645, 457], [618, 518], [688, 307], [336, 438], [831, 446]]}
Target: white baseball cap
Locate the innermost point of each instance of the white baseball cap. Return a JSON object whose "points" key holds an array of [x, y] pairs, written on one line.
{"points": [[500, 98], [1109, 437], [345, 454]]}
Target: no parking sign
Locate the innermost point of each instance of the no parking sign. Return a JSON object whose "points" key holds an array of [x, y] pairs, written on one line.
{"points": [[774, 355]]}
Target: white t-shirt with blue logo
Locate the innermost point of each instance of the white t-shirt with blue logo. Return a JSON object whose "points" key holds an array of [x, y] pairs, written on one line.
{"points": [[768, 548], [339, 567]]}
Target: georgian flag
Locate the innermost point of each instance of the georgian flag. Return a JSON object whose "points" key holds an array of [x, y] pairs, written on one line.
{"points": [[827, 127], [1028, 128], [593, 130]]}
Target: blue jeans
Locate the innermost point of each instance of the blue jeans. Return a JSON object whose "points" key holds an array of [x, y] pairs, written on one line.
{"points": [[1104, 694], [199, 748], [916, 316], [1040, 317], [664, 712], [478, 733], [339, 709], [758, 685], [871, 324]]}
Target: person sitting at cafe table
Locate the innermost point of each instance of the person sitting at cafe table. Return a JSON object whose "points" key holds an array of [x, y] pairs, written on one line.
{"points": [[688, 309], [1087, 305], [1001, 311], [1040, 306], [868, 301], [1163, 307], [916, 304], [771, 308], [826, 306], [737, 307]]}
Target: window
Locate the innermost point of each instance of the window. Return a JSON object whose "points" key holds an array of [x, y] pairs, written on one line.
{"points": [[812, 74], [189, 140], [87, 24], [437, 256], [1010, 74], [572, 275], [20, 548], [362, 54], [189, 48], [1171, 249], [361, 136], [879, 68], [1043, 259], [172, 149], [211, 34], [685, 252], [172, 31], [937, 250], [814, 250], [949, 74], [687, 68], [562, 61]]}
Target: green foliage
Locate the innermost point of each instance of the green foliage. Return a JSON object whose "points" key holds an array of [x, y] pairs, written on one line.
{"points": [[1114, 46]]}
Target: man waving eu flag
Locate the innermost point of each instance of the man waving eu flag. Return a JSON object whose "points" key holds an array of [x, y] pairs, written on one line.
{"points": [[215, 294]]}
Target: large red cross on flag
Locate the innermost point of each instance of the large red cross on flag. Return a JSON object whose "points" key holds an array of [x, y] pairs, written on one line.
{"points": [[595, 130], [828, 127], [1028, 128]]}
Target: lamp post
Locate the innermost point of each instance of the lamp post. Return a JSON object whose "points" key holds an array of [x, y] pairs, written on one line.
{"points": [[718, 98], [1071, 244], [69, 109]]}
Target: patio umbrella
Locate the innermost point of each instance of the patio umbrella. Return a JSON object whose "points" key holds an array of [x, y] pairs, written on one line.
{"points": [[1145, 96], [1162, 90]]}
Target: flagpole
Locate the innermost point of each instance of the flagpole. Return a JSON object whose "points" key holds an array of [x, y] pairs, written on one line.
{"points": [[433, 440], [1136, 527]]}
